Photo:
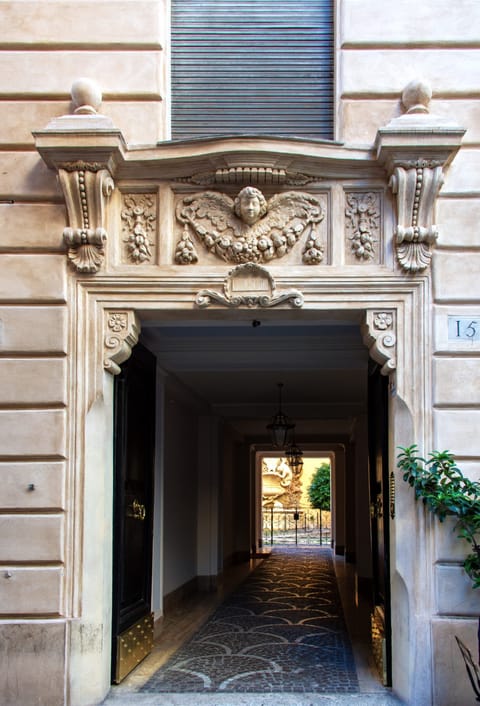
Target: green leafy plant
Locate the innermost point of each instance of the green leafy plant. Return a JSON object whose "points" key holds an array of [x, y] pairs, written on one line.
{"points": [[446, 492], [319, 488]]}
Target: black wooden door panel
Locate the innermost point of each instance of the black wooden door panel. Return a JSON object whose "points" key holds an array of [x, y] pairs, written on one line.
{"points": [[133, 504], [379, 509]]}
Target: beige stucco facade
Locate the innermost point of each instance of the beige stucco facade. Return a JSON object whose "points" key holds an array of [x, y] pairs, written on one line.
{"points": [[71, 309]]}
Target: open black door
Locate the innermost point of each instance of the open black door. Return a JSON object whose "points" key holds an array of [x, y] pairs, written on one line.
{"points": [[379, 513], [132, 621]]}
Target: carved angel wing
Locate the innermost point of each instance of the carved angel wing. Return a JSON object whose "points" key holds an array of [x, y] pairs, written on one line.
{"points": [[210, 216], [289, 216]]}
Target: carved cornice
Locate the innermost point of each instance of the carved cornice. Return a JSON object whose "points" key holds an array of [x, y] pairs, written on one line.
{"points": [[249, 285], [379, 332], [121, 331], [86, 187]]}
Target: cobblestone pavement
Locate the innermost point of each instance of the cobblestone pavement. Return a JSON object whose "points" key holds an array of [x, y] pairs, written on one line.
{"points": [[281, 631], [294, 597]]}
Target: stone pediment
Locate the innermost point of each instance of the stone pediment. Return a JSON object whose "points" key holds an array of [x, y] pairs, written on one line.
{"points": [[334, 199]]}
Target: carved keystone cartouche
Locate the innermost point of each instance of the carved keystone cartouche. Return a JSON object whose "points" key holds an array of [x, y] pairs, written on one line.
{"points": [[249, 285]]}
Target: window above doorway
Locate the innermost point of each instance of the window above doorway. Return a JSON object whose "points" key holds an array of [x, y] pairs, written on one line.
{"points": [[252, 67]]}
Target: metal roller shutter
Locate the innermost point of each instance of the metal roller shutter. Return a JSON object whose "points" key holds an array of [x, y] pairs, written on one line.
{"points": [[262, 67]]}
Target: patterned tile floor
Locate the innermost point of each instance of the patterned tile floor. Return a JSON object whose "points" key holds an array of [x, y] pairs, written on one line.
{"points": [[281, 631], [278, 640]]}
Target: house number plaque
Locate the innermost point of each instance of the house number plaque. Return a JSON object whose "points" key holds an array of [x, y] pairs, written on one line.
{"points": [[464, 328]]}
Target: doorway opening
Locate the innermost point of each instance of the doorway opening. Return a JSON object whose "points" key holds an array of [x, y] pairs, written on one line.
{"points": [[296, 504], [213, 397]]}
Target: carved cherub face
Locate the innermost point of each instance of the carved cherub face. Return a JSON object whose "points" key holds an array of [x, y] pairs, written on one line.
{"points": [[250, 205]]}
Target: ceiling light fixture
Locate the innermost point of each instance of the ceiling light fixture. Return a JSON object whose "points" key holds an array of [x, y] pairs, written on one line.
{"points": [[280, 425], [294, 456]]}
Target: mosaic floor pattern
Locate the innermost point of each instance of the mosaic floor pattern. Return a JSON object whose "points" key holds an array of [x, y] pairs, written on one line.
{"points": [[281, 631]]}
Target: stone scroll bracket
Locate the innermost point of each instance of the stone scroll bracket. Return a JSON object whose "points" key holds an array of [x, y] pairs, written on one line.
{"points": [[84, 148], [121, 332], [379, 333], [86, 188], [415, 150]]}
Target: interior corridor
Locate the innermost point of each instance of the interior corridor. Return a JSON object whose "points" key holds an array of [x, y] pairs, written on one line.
{"points": [[215, 392]]}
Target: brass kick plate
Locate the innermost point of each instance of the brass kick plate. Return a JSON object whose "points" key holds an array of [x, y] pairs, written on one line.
{"points": [[133, 645], [379, 643]]}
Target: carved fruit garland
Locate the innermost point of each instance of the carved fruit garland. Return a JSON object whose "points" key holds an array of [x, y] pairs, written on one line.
{"points": [[249, 229], [138, 216], [362, 213]]}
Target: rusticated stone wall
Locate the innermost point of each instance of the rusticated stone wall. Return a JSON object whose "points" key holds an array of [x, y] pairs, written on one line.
{"points": [[124, 46]]}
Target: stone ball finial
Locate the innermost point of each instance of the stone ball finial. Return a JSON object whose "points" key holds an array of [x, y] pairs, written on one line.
{"points": [[416, 96], [86, 96]]}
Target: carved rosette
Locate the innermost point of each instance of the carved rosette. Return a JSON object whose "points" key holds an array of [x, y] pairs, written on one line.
{"points": [[121, 331], [139, 218], [379, 332], [249, 285], [362, 212], [86, 187], [416, 184]]}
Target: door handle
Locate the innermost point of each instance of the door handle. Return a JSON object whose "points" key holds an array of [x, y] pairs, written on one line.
{"points": [[376, 508], [136, 510]]}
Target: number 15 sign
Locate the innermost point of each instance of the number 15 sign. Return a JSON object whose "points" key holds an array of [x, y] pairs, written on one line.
{"points": [[464, 328]]}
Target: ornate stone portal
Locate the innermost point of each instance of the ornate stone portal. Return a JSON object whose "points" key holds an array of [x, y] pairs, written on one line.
{"points": [[104, 293]]}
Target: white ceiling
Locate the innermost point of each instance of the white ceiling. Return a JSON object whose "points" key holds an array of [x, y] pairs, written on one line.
{"points": [[235, 365]]}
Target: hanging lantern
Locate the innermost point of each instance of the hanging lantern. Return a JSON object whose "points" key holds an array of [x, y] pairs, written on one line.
{"points": [[294, 456], [280, 425]]}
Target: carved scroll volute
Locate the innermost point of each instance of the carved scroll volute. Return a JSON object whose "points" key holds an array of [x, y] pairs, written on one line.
{"points": [[416, 185], [379, 332], [416, 148], [121, 331], [86, 188]]}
